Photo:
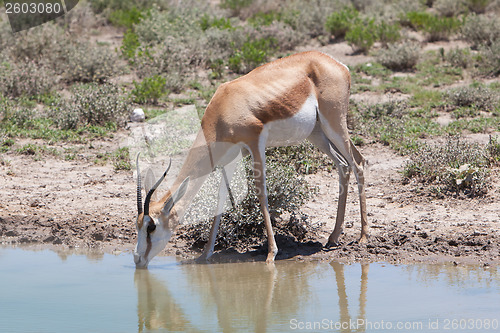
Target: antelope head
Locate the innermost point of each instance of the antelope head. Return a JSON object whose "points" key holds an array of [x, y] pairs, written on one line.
{"points": [[156, 220]]}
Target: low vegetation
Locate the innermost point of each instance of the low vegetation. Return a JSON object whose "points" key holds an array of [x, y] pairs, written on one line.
{"points": [[400, 56], [242, 227], [456, 167]]}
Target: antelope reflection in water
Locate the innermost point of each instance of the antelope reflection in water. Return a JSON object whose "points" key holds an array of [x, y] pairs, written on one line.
{"points": [[235, 297], [345, 318]]}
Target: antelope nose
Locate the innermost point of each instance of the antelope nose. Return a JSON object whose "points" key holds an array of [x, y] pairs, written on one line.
{"points": [[139, 262]]}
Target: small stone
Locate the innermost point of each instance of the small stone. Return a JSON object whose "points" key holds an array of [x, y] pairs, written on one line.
{"points": [[49, 239], [11, 233], [138, 115]]}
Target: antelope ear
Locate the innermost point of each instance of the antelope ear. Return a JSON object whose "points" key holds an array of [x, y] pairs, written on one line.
{"points": [[176, 196], [149, 181]]}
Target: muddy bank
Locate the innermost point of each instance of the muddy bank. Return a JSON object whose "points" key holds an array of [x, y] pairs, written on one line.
{"points": [[401, 243]]}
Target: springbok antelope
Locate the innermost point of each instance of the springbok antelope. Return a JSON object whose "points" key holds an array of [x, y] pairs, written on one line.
{"points": [[303, 96]]}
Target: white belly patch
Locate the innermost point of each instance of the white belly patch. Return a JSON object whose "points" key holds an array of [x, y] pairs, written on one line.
{"points": [[290, 131]]}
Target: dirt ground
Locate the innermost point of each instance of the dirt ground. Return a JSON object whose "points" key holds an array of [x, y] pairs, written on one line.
{"points": [[78, 204]]}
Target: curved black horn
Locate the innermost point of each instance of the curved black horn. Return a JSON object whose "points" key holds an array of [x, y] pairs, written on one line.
{"points": [[152, 190], [139, 195]]}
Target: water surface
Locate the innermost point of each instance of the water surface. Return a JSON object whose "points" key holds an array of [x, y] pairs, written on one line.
{"points": [[45, 291]]}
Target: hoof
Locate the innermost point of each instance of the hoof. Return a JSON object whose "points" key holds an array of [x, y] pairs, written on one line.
{"points": [[330, 245], [270, 257], [203, 259], [363, 240]]}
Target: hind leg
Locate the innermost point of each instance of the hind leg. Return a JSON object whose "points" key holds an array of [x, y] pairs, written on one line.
{"points": [[338, 135], [360, 162], [319, 139]]}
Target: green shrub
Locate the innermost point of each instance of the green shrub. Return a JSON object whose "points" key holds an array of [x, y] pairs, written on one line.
{"points": [[418, 20], [121, 159], [243, 226], [455, 167], [361, 32], [481, 30], [357, 140], [126, 17], [373, 69], [20, 117], [207, 22], [362, 35], [130, 43], [403, 56], [36, 150], [5, 146], [388, 33], [338, 23], [441, 28], [149, 90], [92, 104], [435, 27], [262, 19], [252, 54]]}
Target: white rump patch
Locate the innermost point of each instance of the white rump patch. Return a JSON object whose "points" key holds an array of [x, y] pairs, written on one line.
{"points": [[290, 131]]}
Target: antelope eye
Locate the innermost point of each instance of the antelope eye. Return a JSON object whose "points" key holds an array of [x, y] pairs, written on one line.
{"points": [[151, 227]]}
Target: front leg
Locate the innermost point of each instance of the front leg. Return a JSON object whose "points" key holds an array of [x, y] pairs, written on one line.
{"points": [[259, 170], [224, 191], [208, 250]]}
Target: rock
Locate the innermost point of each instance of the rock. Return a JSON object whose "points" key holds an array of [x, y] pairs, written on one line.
{"points": [[11, 233], [49, 239], [98, 236], [138, 115]]}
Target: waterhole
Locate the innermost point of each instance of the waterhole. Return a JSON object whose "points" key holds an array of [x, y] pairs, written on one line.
{"points": [[47, 291]]}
